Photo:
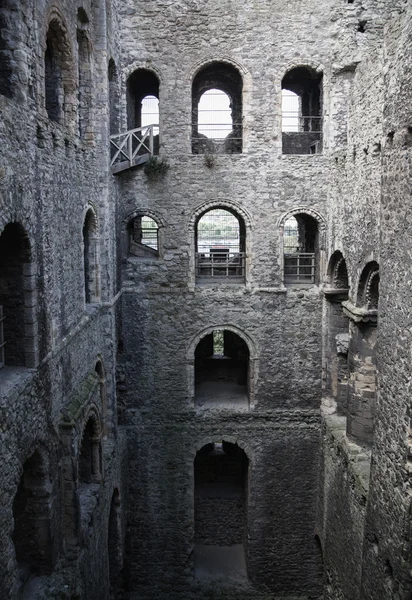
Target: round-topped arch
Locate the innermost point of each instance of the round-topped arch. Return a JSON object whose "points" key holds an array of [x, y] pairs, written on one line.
{"points": [[222, 368], [302, 233], [220, 244]]}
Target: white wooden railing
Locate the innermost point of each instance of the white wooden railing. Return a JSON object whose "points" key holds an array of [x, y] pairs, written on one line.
{"points": [[131, 147]]}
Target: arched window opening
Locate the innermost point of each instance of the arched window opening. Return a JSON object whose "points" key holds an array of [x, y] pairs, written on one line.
{"points": [[362, 356], [368, 289], [103, 394], [16, 289], [220, 247], [90, 453], [302, 97], [114, 543], [84, 75], [300, 248], [143, 103], [337, 334], [143, 237], [58, 76], [222, 371], [113, 82], [32, 523], [217, 110], [221, 511], [91, 258]]}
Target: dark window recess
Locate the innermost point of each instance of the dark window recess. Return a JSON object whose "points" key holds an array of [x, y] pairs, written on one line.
{"points": [[217, 110], [302, 97], [222, 370], [142, 91], [300, 247]]}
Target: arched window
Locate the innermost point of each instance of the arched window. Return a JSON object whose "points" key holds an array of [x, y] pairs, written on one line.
{"points": [[99, 370], [222, 371], [143, 232], [300, 248], [302, 111], [114, 542], [337, 333], [143, 102], [368, 288], [58, 80], [221, 511], [91, 258], [220, 238], [113, 83], [362, 355], [90, 453], [84, 74], [16, 297], [32, 523], [217, 110]]}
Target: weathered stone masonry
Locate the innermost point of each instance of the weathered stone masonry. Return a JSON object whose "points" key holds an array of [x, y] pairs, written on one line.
{"points": [[118, 475]]}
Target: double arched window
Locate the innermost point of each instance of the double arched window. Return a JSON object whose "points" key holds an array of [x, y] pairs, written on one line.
{"points": [[217, 110]]}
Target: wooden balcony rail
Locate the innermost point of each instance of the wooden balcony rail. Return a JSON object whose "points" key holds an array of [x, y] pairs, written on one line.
{"points": [[220, 265], [299, 267], [131, 148]]}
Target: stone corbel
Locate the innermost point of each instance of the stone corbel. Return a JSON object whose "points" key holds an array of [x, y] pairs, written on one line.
{"points": [[336, 294], [359, 314]]}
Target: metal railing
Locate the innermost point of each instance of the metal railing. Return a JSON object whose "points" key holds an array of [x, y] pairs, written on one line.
{"points": [[220, 265], [294, 123], [299, 267], [128, 146], [217, 138]]}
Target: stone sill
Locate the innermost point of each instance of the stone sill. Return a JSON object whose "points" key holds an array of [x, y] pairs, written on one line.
{"points": [[358, 457], [13, 380], [359, 314]]}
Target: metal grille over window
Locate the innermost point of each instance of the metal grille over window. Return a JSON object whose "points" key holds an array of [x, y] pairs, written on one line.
{"points": [[299, 266], [219, 247]]}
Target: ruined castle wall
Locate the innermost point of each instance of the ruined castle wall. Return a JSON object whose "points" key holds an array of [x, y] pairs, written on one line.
{"points": [[48, 177]]}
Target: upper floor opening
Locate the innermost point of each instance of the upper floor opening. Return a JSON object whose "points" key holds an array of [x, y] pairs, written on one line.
{"points": [[217, 110], [18, 321], [142, 90], [143, 237], [301, 249], [220, 239], [222, 370], [302, 98], [58, 74]]}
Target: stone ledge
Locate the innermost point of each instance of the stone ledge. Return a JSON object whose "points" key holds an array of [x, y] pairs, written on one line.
{"points": [[358, 458], [359, 314]]}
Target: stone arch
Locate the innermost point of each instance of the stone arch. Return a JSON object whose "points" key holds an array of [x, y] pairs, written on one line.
{"points": [[319, 243], [126, 230], [91, 256], [337, 272], [252, 366], [90, 451], [204, 441], [59, 72], [17, 297], [241, 214], [32, 532], [142, 86], [84, 76], [223, 78], [368, 286]]}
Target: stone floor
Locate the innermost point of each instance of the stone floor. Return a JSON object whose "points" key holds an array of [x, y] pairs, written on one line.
{"points": [[221, 563], [221, 394]]}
